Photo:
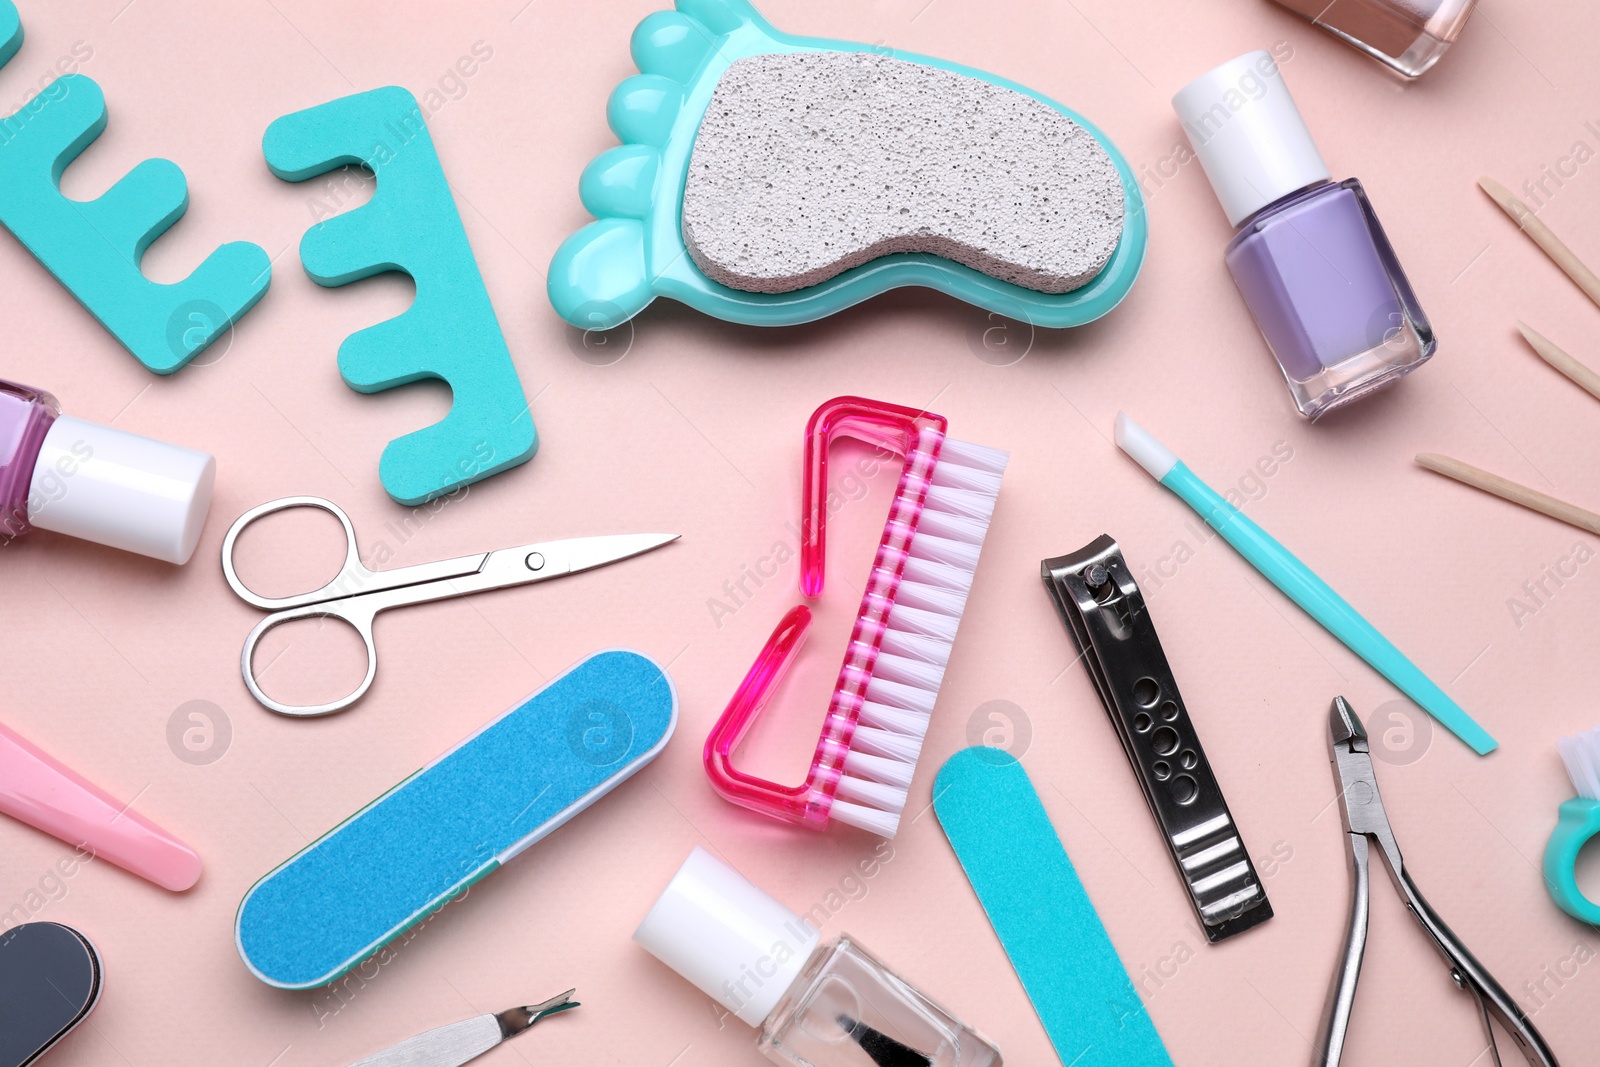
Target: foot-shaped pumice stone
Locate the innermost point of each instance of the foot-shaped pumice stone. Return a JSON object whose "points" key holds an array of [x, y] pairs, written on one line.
{"points": [[772, 179], [809, 163]]}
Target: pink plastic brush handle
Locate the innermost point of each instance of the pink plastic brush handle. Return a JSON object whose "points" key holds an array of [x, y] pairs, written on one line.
{"points": [[917, 436], [42, 792], [792, 803], [887, 426]]}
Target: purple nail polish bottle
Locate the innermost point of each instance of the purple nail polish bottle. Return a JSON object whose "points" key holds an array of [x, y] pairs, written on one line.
{"points": [[1310, 258]]}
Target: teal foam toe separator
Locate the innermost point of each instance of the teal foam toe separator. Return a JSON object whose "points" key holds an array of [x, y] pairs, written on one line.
{"points": [[610, 270], [450, 332], [408, 853], [1039, 909], [94, 247]]}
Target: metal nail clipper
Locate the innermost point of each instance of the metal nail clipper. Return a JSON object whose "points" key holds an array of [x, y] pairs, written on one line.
{"points": [[1103, 608], [1365, 822]]}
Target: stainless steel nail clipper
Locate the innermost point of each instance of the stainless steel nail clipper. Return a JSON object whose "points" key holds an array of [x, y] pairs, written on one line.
{"points": [[1106, 614]]}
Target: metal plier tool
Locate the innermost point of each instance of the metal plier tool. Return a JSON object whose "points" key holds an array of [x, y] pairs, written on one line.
{"points": [[1365, 822]]}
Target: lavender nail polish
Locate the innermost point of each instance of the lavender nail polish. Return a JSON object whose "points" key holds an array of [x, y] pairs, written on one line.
{"points": [[1310, 258]]}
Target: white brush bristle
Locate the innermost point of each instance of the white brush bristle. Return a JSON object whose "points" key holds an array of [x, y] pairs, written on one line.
{"points": [[1581, 754], [920, 631], [912, 723], [915, 646], [873, 821]]}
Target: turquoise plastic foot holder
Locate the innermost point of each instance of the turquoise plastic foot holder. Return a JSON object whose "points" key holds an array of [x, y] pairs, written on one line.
{"points": [[610, 270], [94, 247], [1579, 821], [450, 332], [424, 843]]}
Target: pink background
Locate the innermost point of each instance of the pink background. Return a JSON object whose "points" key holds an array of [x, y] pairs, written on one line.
{"points": [[697, 429]]}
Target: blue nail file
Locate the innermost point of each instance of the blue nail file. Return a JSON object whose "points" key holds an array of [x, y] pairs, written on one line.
{"points": [[1039, 909], [402, 857]]}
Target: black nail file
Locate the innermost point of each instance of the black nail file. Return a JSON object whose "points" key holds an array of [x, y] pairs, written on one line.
{"points": [[49, 981]]}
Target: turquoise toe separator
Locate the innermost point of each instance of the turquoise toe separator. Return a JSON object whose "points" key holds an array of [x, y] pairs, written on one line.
{"points": [[1039, 909], [389, 867], [1579, 821], [611, 269], [450, 332], [94, 247]]}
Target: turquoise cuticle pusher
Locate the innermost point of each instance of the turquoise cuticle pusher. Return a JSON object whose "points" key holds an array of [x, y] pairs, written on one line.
{"points": [[1299, 583]]}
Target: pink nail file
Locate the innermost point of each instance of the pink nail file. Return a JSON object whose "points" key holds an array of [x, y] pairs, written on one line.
{"points": [[42, 792]]}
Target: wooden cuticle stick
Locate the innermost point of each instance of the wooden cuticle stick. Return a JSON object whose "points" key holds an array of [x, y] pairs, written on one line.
{"points": [[1544, 237], [1558, 359], [1506, 489]]}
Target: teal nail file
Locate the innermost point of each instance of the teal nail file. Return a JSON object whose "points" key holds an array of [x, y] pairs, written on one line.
{"points": [[402, 857], [1041, 913]]}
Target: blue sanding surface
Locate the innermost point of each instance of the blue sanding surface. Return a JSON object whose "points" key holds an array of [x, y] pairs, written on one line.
{"points": [[404, 855], [1042, 914]]}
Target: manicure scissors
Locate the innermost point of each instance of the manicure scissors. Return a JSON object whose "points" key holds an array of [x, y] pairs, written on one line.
{"points": [[356, 594], [1366, 823]]}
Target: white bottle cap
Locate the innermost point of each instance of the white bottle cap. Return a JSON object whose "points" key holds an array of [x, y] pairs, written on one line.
{"points": [[1248, 134], [742, 948], [120, 489]]}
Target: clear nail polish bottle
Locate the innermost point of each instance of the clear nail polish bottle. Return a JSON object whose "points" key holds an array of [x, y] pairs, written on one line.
{"points": [[1310, 257], [102, 484], [1409, 36], [818, 1005]]}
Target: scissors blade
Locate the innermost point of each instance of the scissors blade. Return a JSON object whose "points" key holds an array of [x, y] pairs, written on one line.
{"points": [[585, 553], [553, 559]]}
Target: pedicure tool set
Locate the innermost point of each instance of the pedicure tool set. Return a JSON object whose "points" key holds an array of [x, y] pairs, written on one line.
{"points": [[757, 181]]}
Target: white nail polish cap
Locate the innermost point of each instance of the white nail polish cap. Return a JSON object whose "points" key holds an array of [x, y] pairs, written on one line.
{"points": [[741, 947], [119, 489], [1248, 135]]}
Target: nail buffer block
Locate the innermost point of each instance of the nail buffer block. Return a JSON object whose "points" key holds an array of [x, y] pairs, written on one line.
{"points": [[411, 851], [1041, 913]]}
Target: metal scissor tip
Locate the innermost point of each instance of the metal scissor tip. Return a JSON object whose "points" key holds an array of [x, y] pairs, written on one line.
{"points": [[1343, 722]]}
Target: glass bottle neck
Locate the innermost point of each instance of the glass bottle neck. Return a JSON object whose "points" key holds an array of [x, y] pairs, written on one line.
{"points": [[1305, 192]]}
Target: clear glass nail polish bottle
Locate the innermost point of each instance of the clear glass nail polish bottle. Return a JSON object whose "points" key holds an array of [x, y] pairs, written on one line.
{"points": [[1408, 36], [102, 484], [1310, 257], [818, 1005]]}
